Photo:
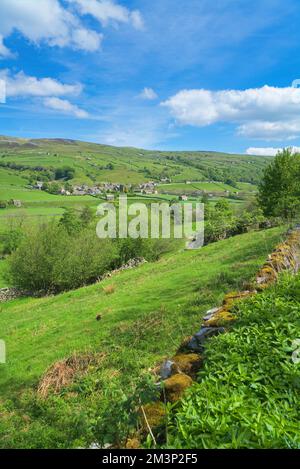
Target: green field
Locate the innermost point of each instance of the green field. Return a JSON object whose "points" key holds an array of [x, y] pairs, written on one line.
{"points": [[150, 310], [196, 186], [23, 160]]}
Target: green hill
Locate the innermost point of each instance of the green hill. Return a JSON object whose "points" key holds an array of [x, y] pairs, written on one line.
{"points": [[101, 163], [144, 315]]}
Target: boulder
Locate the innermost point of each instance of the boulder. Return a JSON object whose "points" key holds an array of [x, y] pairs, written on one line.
{"points": [[188, 363], [176, 386], [197, 342]]}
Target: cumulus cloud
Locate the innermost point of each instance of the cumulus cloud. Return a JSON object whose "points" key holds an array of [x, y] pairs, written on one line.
{"points": [[106, 11], [269, 151], [48, 90], [148, 94], [21, 85], [64, 106], [45, 21], [280, 130], [264, 113]]}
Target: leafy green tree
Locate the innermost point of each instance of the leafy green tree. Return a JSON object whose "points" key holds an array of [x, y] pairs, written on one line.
{"points": [[70, 221], [279, 190], [66, 173], [54, 188], [87, 215]]}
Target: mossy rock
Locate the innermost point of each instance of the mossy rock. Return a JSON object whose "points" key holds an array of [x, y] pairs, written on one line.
{"points": [[176, 386], [221, 318], [156, 416], [266, 276], [188, 363], [232, 297]]}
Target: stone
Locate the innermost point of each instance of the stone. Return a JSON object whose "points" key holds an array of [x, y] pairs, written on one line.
{"points": [[8, 294], [220, 319], [210, 313], [197, 342], [166, 369], [188, 363], [176, 386]]}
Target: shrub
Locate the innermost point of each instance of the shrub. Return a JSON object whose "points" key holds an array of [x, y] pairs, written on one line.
{"points": [[11, 240], [49, 259]]}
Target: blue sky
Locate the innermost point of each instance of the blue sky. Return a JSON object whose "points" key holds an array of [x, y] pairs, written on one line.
{"points": [[165, 74]]}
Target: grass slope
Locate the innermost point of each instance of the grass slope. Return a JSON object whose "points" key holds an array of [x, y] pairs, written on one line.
{"points": [[150, 311]]}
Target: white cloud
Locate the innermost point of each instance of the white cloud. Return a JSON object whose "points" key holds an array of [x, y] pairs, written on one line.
{"points": [[86, 39], [270, 151], [51, 90], [265, 113], [21, 85], [4, 51], [45, 21], [64, 106], [276, 131], [137, 19], [149, 94], [107, 10]]}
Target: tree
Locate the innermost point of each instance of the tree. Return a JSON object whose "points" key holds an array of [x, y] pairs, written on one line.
{"points": [[279, 190], [87, 215], [70, 221], [66, 173]]}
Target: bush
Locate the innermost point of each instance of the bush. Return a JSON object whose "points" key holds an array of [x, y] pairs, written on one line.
{"points": [[66, 255], [12, 238], [49, 259]]}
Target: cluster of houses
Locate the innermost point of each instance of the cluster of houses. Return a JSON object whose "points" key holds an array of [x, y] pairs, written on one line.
{"points": [[147, 188]]}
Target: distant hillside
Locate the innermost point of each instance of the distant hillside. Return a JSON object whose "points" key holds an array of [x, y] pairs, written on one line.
{"points": [[101, 163]]}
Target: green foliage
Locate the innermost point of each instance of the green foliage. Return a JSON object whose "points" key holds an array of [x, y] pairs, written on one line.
{"points": [[11, 240], [53, 188], [66, 173], [279, 190], [66, 255], [51, 258], [71, 221], [150, 249], [87, 215], [247, 395]]}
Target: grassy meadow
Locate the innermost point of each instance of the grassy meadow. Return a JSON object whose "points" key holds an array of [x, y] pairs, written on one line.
{"points": [[146, 312]]}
